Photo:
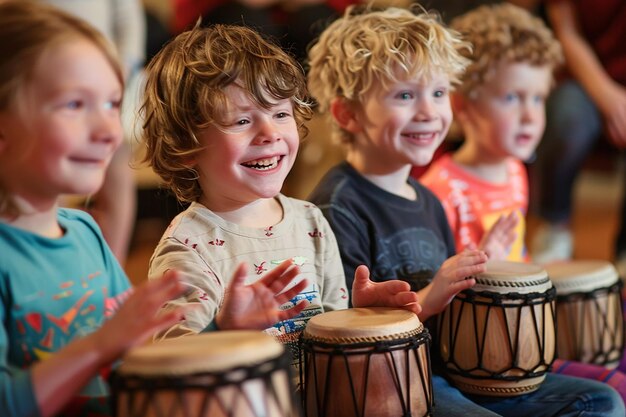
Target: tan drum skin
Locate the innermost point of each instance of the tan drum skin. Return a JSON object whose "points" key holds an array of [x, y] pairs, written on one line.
{"points": [[355, 331], [190, 368], [481, 344], [590, 321]]}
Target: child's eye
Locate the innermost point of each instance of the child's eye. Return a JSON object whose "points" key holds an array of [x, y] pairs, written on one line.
{"points": [[440, 93], [112, 105], [405, 95], [242, 122], [538, 99], [74, 105], [282, 115], [510, 97]]}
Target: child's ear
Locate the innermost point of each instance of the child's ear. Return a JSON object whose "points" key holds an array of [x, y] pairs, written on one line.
{"points": [[458, 102], [459, 106], [344, 114]]}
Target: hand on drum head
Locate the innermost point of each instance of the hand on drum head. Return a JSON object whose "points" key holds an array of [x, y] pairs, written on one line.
{"points": [[140, 316], [257, 306], [498, 240], [452, 278], [394, 293]]}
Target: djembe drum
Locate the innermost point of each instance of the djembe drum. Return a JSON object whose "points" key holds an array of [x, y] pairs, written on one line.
{"points": [[221, 374], [372, 362], [590, 322], [498, 338]]}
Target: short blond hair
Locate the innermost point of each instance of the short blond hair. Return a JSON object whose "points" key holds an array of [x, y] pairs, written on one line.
{"points": [[185, 94], [383, 45], [503, 33]]}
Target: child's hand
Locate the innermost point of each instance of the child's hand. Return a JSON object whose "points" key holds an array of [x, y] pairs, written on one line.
{"points": [[394, 293], [452, 278], [498, 240], [140, 316], [256, 306]]}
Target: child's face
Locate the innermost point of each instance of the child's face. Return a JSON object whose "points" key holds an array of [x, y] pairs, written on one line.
{"points": [[250, 157], [65, 126], [507, 116], [404, 122]]}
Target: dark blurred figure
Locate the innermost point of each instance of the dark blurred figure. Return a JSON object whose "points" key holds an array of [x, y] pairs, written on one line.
{"points": [[293, 23], [589, 103]]}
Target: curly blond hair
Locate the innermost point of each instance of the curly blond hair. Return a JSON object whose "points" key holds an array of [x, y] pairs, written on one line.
{"points": [[503, 33], [185, 94], [384, 45]]}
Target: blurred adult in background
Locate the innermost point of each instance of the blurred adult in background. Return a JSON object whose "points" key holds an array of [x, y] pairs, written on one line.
{"points": [[294, 23], [588, 104], [114, 205]]}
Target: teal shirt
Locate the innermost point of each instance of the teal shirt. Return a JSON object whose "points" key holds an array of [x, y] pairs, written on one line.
{"points": [[53, 291]]}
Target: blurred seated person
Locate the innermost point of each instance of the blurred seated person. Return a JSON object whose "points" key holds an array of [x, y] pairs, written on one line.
{"points": [[294, 23]]}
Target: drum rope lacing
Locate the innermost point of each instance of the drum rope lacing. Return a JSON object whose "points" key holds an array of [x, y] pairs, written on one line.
{"points": [[578, 304], [207, 383], [335, 350], [492, 299]]}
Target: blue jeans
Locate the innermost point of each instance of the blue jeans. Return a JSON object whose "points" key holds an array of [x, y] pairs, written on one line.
{"points": [[559, 395], [573, 126]]}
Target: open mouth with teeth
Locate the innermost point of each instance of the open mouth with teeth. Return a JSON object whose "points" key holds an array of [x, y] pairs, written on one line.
{"points": [[263, 164], [420, 136]]}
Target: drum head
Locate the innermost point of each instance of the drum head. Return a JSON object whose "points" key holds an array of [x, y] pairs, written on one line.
{"points": [[508, 277], [356, 325], [581, 276], [210, 352]]}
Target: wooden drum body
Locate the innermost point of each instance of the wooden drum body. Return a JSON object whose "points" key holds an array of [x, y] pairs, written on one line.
{"points": [[590, 321], [226, 373], [372, 362], [498, 338]]}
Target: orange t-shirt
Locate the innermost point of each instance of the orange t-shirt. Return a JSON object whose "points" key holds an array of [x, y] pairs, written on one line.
{"points": [[473, 205]]}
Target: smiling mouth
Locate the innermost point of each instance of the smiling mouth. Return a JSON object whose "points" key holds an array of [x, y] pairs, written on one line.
{"points": [[428, 136], [88, 161], [263, 164], [524, 138]]}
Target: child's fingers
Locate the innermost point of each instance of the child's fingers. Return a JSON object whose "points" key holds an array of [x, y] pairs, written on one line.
{"points": [[395, 286], [239, 276], [279, 270], [293, 311], [462, 285], [469, 270], [292, 292], [415, 308], [278, 282], [150, 295], [361, 277], [472, 257], [405, 298], [161, 322]]}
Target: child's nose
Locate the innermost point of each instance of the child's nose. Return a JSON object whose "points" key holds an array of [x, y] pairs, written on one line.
{"points": [[267, 132], [530, 111], [424, 110], [106, 127]]}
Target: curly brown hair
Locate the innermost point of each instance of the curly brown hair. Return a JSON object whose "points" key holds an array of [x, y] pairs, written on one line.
{"points": [[503, 33], [185, 94]]}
